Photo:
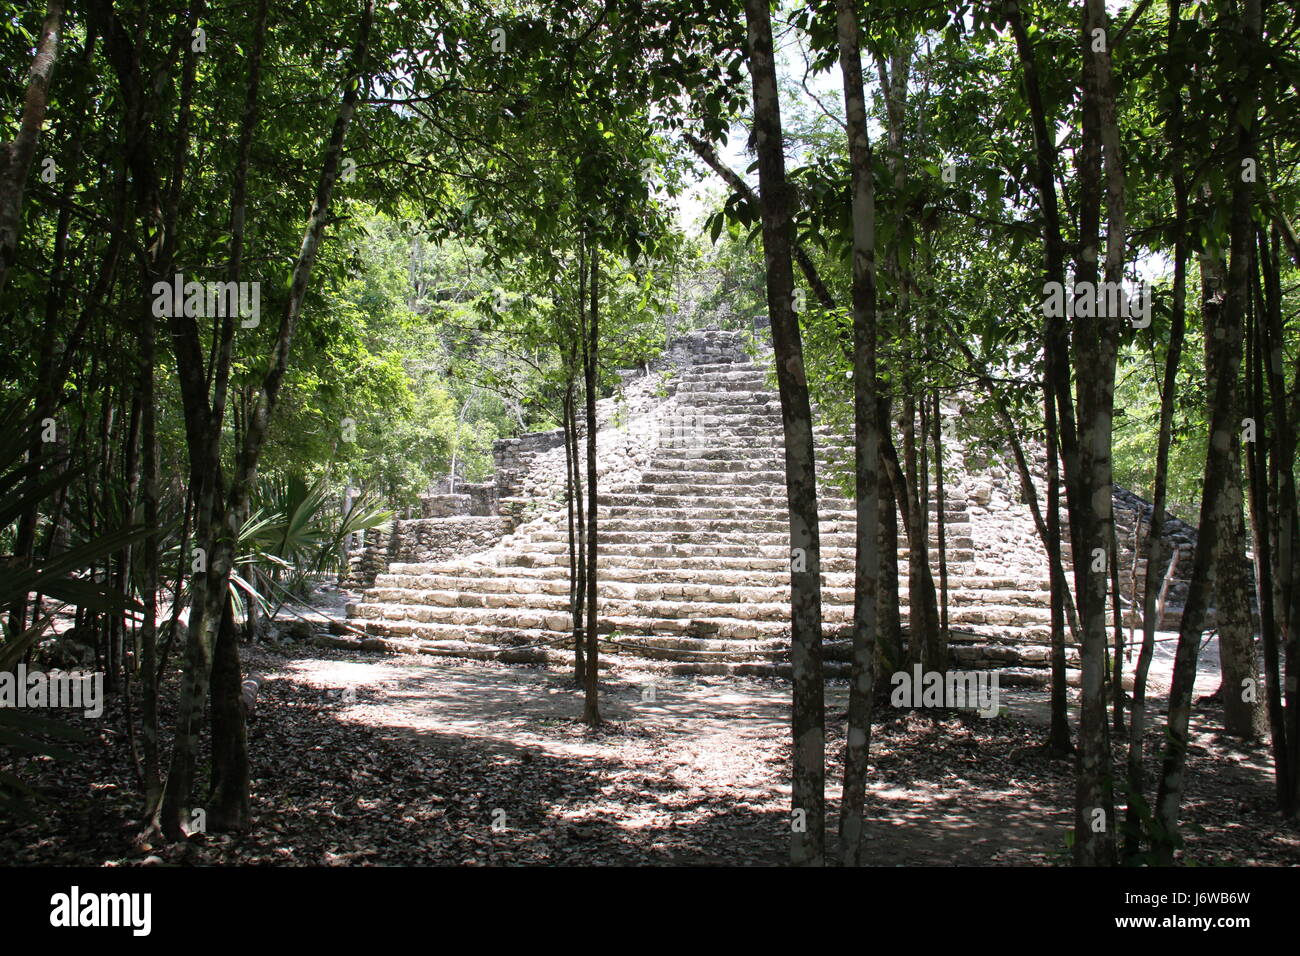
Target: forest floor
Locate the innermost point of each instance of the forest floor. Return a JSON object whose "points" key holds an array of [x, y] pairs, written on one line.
{"points": [[383, 760]]}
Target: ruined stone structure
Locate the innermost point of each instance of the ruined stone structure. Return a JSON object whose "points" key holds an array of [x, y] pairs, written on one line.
{"points": [[694, 553]]}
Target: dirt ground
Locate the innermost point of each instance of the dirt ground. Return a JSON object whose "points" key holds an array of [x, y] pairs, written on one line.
{"points": [[367, 759]]}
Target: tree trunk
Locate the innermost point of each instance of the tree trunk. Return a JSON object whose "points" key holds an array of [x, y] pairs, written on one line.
{"points": [[1244, 715], [16, 157], [1117, 625], [866, 443], [941, 505], [223, 532], [1059, 743], [149, 624], [889, 646], [1270, 599], [591, 356], [1273, 495], [572, 497], [1096, 347], [1150, 609], [808, 836], [1220, 497], [231, 808]]}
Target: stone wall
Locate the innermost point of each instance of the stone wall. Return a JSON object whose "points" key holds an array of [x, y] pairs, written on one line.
{"points": [[514, 458], [1006, 539], [1175, 534], [703, 347], [423, 539], [443, 506], [469, 499]]}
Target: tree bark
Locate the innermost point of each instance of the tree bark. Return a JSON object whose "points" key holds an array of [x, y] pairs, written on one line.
{"points": [[1096, 348], [808, 834], [230, 769], [591, 356], [16, 157], [201, 638], [577, 565], [1219, 496], [866, 443], [1273, 496], [889, 644], [231, 807], [1244, 715], [1135, 773], [1059, 743]]}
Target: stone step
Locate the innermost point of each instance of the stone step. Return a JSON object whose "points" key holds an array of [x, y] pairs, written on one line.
{"points": [[695, 543], [702, 462], [742, 399], [762, 448], [762, 434], [1016, 663], [740, 387], [722, 519], [659, 507], [468, 571], [759, 505], [734, 484], [721, 419], [733, 492], [721, 371], [674, 532], [613, 656], [540, 610], [418, 619], [711, 477], [838, 561], [517, 588]]}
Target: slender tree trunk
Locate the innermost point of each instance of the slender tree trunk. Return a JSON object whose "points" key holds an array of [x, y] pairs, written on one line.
{"points": [[866, 443], [1096, 347], [149, 624], [1155, 533], [1061, 419], [209, 597], [1117, 625], [1055, 338], [231, 808], [1219, 496], [808, 836], [1244, 715], [889, 653], [941, 505], [16, 157], [572, 491], [580, 583], [1265, 585], [591, 356], [1273, 496], [1058, 735]]}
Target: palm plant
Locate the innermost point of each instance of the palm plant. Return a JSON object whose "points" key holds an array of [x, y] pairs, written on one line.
{"points": [[25, 485], [293, 537]]}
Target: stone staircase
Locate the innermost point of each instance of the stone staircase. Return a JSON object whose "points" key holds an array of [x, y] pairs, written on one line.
{"points": [[694, 557]]}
